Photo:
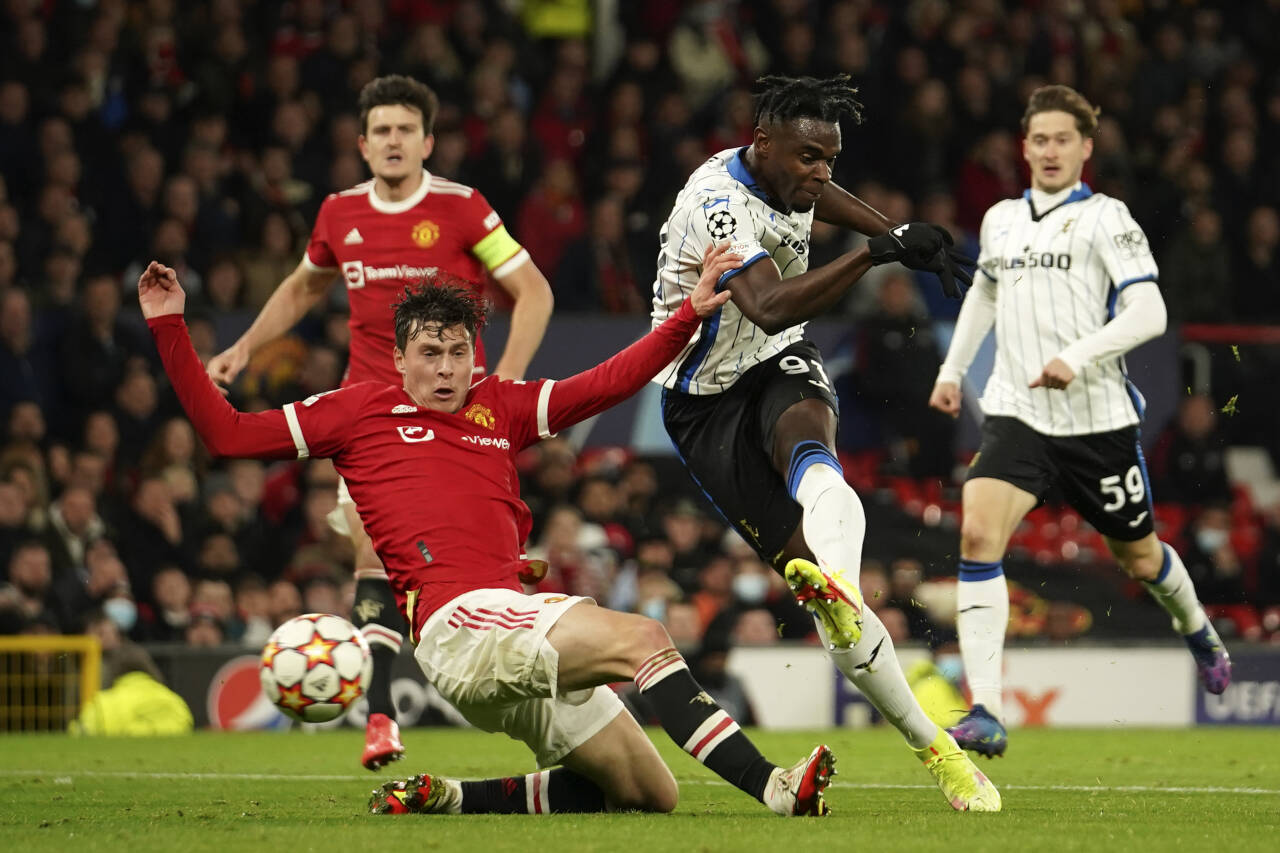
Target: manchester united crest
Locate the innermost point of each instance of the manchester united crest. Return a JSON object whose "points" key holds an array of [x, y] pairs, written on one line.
{"points": [[425, 234], [480, 415]]}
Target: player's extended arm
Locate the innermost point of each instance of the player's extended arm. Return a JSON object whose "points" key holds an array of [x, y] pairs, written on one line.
{"points": [[977, 315], [617, 378], [760, 293], [773, 304], [529, 315], [1142, 316], [837, 206], [225, 430], [296, 295]]}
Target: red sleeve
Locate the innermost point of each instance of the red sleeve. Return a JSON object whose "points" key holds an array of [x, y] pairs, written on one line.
{"points": [[564, 403], [478, 219], [225, 430], [319, 252]]}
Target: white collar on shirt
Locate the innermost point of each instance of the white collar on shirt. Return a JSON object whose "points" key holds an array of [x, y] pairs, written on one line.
{"points": [[404, 204]]}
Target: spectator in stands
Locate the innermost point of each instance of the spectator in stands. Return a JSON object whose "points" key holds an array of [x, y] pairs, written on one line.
{"points": [[205, 629], [26, 372], [31, 576], [598, 272], [1257, 269], [1211, 559], [150, 531], [552, 215], [253, 610], [1189, 459], [74, 525], [1196, 271], [897, 363], [284, 602], [170, 612]]}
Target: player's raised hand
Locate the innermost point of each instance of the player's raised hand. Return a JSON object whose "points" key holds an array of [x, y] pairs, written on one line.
{"points": [[924, 246], [159, 292], [716, 261], [224, 367], [1056, 374], [946, 398]]}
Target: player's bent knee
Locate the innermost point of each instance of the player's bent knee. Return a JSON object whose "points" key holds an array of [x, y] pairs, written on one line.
{"points": [[1141, 560], [656, 793], [979, 541], [647, 636]]}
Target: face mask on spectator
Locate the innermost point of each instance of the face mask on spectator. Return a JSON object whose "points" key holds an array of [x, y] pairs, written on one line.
{"points": [[951, 667], [1210, 540], [654, 608], [121, 611], [750, 588]]}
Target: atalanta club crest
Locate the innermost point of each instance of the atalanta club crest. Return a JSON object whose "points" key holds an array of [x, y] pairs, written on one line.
{"points": [[481, 416]]}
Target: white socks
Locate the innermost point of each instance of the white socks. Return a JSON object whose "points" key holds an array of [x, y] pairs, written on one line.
{"points": [[982, 614], [834, 522], [872, 665], [1175, 592]]}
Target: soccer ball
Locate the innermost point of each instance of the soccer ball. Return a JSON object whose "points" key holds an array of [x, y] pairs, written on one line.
{"points": [[315, 667]]}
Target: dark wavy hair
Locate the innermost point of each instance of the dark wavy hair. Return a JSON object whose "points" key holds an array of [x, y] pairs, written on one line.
{"points": [[397, 89], [438, 303], [787, 98]]}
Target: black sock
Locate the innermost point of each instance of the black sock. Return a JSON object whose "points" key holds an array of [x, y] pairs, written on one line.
{"points": [[375, 614], [698, 725], [556, 791]]}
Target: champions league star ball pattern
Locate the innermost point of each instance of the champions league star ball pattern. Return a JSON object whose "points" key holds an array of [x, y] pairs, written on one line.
{"points": [[315, 667], [721, 224]]}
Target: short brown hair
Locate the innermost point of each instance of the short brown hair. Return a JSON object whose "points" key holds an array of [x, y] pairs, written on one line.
{"points": [[398, 90], [1062, 99]]}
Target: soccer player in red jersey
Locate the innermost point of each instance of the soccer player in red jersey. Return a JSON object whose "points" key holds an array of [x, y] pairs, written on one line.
{"points": [[400, 227], [431, 465]]}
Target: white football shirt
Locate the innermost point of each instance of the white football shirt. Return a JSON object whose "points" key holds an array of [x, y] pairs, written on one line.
{"points": [[721, 202], [1057, 276]]}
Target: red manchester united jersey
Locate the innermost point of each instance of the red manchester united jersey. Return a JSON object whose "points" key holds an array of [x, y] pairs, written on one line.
{"points": [[437, 491], [380, 246]]}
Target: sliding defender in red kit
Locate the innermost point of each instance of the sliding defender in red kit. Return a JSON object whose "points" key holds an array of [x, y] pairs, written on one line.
{"points": [[531, 666]]}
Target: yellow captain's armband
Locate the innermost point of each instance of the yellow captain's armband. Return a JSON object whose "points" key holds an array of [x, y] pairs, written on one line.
{"points": [[498, 250]]}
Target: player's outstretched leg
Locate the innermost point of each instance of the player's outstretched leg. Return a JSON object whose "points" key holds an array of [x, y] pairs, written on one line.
{"points": [[559, 790], [872, 666], [1174, 591], [375, 614], [704, 730], [966, 787]]}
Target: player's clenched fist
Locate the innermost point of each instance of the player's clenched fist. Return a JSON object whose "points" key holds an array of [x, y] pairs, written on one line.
{"points": [[946, 398]]}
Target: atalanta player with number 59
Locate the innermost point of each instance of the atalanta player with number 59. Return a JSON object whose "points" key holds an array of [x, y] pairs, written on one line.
{"points": [[431, 465]]}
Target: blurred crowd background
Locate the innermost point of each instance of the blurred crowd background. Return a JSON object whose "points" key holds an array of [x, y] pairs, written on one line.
{"points": [[206, 134]]}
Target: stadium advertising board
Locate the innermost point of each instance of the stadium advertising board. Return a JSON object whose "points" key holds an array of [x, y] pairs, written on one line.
{"points": [[1253, 699]]}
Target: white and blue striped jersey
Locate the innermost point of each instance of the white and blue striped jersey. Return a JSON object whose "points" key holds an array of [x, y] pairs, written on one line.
{"points": [[722, 202], [1057, 276]]}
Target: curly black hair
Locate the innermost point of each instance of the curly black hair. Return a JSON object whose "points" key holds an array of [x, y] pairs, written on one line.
{"points": [[398, 90], [438, 303], [786, 98]]}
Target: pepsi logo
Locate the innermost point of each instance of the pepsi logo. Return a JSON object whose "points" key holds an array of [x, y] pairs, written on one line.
{"points": [[236, 701]]}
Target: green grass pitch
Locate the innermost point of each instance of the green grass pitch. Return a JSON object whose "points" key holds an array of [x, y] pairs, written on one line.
{"points": [[1184, 790]]}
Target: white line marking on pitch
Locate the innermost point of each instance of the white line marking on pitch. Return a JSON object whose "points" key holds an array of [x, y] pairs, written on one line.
{"points": [[65, 775]]}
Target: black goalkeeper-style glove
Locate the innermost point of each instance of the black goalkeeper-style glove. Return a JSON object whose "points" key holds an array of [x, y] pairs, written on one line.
{"points": [[927, 247]]}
